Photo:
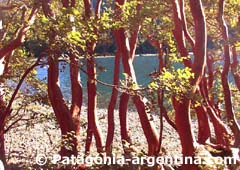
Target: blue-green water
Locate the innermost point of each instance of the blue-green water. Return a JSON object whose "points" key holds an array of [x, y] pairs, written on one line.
{"points": [[143, 66]]}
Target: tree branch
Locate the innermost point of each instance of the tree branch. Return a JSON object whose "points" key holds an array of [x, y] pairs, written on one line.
{"points": [[17, 42], [9, 106]]}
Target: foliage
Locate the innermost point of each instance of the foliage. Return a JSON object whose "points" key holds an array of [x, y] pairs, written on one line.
{"points": [[69, 30]]}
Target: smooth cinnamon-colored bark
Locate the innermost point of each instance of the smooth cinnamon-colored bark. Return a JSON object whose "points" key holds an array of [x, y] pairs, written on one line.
{"points": [[232, 121], [127, 58], [59, 106], [183, 123], [68, 3], [204, 132], [93, 127], [162, 64], [123, 106], [200, 47], [210, 62], [46, 7], [148, 127], [179, 33], [112, 104], [77, 94], [184, 23], [124, 98], [182, 107]]}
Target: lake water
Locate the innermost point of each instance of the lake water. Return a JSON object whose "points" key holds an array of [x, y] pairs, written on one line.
{"points": [[143, 65]]}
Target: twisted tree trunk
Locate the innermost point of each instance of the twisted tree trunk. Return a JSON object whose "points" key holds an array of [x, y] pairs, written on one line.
{"points": [[182, 108], [93, 127], [232, 121], [60, 108], [112, 104], [124, 98], [77, 94], [140, 103], [204, 132]]}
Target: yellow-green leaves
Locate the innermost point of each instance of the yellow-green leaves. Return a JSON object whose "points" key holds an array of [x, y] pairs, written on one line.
{"points": [[185, 74], [153, 85], [44, 19], [75, 38], [175, 82], [128, 85]]}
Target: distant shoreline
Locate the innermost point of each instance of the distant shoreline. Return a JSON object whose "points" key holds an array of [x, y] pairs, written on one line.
{"points": [[137, 55]]}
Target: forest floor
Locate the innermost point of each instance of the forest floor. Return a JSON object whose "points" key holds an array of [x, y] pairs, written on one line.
{"points": [[42, 136]]}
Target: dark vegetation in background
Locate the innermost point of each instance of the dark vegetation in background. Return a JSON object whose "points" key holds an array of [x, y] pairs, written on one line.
{"points": [[101, 49], [35, 46]]}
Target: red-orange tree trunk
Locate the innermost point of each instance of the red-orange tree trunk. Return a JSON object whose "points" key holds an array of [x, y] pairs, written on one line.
{"points": [[182, 108], [60, 108], [93, 127], [148, 127], [232, 121], [77, 93], [112, 104]]}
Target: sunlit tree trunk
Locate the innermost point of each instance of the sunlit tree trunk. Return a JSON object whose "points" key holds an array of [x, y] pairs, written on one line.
{"points": [[232, 121], [60, 108], [140, 103], [77, 94], [204, 132], [112, 104], [124, 98], [93, 127], [182, 108]]}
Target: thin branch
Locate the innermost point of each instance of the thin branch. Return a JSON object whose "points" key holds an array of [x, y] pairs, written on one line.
{"points": [[98, 8], [20, 36], [9, 106], [10, 126], [8, 7], [184, 24]]}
